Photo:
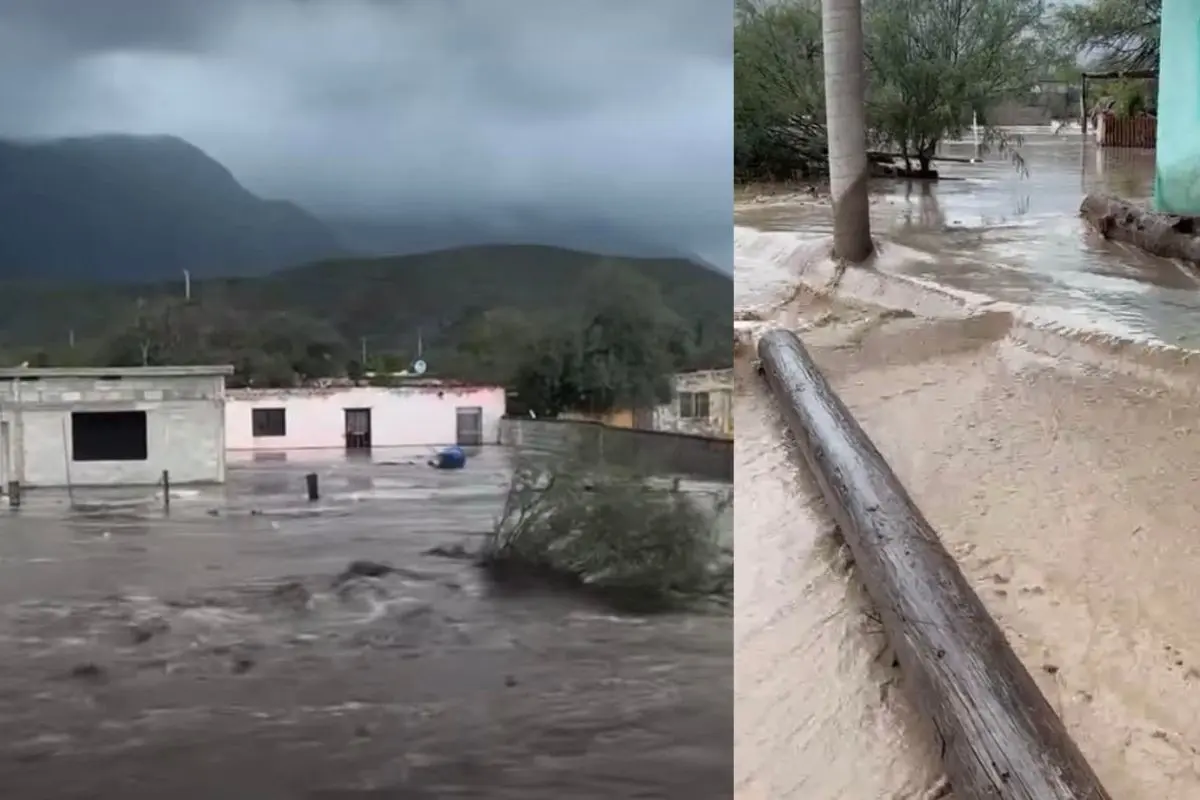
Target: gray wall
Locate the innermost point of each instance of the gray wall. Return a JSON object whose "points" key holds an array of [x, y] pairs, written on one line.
{"points": [[185, 429], [666, 453]]}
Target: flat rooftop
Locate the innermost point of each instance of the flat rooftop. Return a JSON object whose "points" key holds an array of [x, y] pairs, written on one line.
{"points": [[10, 373]]}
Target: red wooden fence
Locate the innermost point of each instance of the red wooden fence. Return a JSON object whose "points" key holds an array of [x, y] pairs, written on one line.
{"points": [[1114, 131]]}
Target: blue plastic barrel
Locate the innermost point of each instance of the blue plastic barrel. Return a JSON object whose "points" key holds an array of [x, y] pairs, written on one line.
{"points": [[449, 458]]}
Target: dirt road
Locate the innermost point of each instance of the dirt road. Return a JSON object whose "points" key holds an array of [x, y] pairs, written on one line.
{"points": [[1035, 388], [1067, 494]]}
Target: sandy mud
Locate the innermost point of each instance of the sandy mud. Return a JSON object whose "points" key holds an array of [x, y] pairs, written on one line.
{"points": [[1059, 464]]}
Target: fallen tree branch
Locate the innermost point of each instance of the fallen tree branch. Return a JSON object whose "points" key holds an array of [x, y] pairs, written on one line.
{"points": [[1165, 235], [1000, 738]]}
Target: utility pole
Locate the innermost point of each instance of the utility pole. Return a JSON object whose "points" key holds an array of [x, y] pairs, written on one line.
{"points": [[363, 360], [187, 285]]}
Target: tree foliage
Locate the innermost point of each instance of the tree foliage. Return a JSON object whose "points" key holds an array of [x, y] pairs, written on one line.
{"points": [[778, 86], [614, 343], [934, 64], [1117, 34], [271, 349], [618, 353], [617, 532], [931, 65]]}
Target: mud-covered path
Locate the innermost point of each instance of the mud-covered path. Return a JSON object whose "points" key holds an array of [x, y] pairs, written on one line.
{"points": [[1066, 493]]}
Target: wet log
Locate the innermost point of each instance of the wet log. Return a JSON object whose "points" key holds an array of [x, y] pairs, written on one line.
{"points": [[999, 736], [1166, 235]]}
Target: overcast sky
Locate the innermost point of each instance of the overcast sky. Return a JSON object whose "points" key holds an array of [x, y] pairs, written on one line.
{"points": [[614, 108]]}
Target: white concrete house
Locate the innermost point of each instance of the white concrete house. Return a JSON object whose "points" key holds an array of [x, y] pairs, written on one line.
{"points": [[112, 426], [702, 404], [418, 413]]}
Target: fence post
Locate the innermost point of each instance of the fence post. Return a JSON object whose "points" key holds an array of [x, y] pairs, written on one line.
{"points": [[166, 484]]}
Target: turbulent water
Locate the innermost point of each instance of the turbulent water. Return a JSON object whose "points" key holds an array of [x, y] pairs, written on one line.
{"points": [[1035, 390], [214, 654]]}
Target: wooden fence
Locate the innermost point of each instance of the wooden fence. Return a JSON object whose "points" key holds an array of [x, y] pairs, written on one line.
{"points": [[1113, 131]]}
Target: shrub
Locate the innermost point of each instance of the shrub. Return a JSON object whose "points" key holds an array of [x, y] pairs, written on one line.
{"points": [[636, 540]]}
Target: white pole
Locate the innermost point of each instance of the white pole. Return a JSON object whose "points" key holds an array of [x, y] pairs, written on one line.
{"points": [[187, 285], [975, 131]]}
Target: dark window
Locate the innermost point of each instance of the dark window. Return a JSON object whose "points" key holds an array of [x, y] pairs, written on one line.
{"points": [[268, 422], [693, 405], [108, 436]]}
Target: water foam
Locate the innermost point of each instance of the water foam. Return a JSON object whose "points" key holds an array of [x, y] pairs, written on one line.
{"points": [[780, 258]]}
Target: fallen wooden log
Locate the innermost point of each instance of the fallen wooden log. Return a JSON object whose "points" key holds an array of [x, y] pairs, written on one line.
{"points": [[999, 737], [1166, 235]]}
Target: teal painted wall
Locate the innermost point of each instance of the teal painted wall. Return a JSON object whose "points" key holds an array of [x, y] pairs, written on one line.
{"points": [[1177, 155]]}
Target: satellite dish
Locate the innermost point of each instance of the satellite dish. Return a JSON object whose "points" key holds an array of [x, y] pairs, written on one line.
{"points": [[419, 367]]}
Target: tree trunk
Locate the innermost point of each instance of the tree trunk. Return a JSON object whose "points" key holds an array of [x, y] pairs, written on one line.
{"points": [[1166, 235], [842, 33], [999, 736]]}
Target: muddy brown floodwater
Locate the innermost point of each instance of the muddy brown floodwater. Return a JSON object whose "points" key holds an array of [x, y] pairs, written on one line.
{"points": [[1052, 442], [210, 655]]}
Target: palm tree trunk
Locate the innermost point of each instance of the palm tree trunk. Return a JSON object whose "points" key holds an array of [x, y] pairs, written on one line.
{"points": [[842, 32]]}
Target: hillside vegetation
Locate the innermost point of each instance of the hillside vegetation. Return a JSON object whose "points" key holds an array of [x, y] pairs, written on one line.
{"points": [[135, 208], [97, 232], [479, 313]]}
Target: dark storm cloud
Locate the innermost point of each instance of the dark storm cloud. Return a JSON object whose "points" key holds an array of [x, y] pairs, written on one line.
{"points": [[614, 108]]}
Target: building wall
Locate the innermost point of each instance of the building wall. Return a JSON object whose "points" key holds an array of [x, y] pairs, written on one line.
{"points": [[718, 384], [400, 416], [617, 418], [705, 457], [1177, 170], [184, 429]]}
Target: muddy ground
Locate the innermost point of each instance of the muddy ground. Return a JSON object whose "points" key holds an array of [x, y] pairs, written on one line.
{"points": [[210, 654], [1066, 493]]}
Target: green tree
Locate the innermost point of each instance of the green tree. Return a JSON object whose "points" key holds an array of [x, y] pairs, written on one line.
{"points": [[618, 352], [270, 349], [929, 65], [1117, 34], [778, 91], [934, 62], [491, 344]]}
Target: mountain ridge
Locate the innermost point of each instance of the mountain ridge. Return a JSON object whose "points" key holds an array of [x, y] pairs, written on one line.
{"points": [[117, 207], [134, 208]]}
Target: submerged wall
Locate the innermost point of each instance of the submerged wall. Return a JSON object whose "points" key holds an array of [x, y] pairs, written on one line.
{"points": [[1177, 171], [703, 457]]}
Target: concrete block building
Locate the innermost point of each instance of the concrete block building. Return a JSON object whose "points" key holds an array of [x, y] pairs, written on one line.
{"points": [[702, 404], [112, 426]]}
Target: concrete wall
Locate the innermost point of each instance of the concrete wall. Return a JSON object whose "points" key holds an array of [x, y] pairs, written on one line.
{"points": [[400, 416], [718, 384], [617, 418], [665, 453], [184, 429], [1177, 170]]}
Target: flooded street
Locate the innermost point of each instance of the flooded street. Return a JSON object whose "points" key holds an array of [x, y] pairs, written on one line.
{"points": [[215, 653], [990, 233], [1040, 414]]}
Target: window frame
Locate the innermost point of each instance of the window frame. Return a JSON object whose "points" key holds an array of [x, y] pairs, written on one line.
{"points": [[265, 429]]}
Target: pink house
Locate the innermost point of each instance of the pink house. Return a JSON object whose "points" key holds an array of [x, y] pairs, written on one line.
{"points": [[425, 413]]}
